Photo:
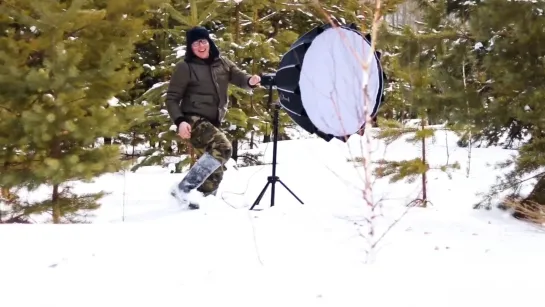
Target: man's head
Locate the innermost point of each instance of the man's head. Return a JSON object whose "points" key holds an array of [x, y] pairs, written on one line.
{"points": [[199, 44]]}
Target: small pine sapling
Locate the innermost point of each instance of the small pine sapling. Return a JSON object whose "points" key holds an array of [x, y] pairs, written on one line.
{"points": [[411, 169]]}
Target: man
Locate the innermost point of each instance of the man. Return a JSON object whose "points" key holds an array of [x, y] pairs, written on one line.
{"points": [[197, 101]]}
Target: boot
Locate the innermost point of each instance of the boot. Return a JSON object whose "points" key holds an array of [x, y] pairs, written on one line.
{"points": [[204, 167], [189, 200]]}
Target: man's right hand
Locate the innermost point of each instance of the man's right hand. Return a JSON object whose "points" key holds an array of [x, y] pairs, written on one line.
{"points": [[184, 130]]}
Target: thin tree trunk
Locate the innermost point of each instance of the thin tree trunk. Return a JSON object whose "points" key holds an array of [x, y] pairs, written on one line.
{"points": [[234, 145], [56, 206], [56, 210], [4, 191], [424, 177], [234, 101], [252, 134], [448, 152], [254, 29], [192, 158], [470, 143], [267, 137]]}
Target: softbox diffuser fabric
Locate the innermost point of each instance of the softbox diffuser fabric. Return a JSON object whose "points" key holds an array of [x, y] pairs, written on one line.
{"points": [[320, 81]]}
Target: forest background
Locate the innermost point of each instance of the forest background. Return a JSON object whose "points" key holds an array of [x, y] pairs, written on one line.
{"points": [[82, 85]]}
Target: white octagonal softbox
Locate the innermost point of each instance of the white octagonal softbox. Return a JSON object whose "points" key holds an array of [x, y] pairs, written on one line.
{"points": [[320, 81]]}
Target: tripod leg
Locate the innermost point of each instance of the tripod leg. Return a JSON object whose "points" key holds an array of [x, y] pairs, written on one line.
{"points": [[273, 190], [291, 192], [258, 199]]}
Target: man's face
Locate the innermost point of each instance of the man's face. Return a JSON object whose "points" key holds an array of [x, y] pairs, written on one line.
{"points": [[201, 48]]}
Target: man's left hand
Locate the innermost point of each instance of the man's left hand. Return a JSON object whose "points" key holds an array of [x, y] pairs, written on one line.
{"points": [[254, 80]]}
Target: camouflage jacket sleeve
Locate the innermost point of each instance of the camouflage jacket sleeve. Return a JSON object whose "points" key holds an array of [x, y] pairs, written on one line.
{"points": [[237, 76], [176, 91]]}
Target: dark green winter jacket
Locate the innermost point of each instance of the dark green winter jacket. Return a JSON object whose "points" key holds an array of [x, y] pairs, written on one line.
{"points": [[199, 88]]}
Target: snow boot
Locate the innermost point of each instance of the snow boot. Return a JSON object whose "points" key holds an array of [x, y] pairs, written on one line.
{"points": [[186, 200], [204, 167]]}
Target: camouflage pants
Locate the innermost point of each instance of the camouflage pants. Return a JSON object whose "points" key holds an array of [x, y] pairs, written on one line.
{"points": [[205, 137]]}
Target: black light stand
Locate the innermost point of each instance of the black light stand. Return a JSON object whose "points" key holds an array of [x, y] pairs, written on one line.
{"points": [[273, 179]]}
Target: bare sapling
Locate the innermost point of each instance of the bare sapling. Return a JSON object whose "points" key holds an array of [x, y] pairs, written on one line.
{"points": [[372, 208]]}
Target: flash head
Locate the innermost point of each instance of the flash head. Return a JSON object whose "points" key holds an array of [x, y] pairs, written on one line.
{"points": [[268, 80]]}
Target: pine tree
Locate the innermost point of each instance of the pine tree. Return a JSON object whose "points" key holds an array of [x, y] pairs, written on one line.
{"points": [[147, 57], [61, 63], [510, 36], [418, 52], [156, 135], [396, 107]]}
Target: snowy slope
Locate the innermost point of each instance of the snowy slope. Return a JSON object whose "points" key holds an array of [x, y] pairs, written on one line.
{"points": [[142, 251]]}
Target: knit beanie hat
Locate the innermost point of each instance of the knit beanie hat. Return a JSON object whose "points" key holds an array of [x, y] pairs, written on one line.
{"points": [[195, 34]]}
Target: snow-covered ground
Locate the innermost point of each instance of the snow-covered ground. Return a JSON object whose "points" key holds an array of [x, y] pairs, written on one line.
{"points": [[142, 251]]}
